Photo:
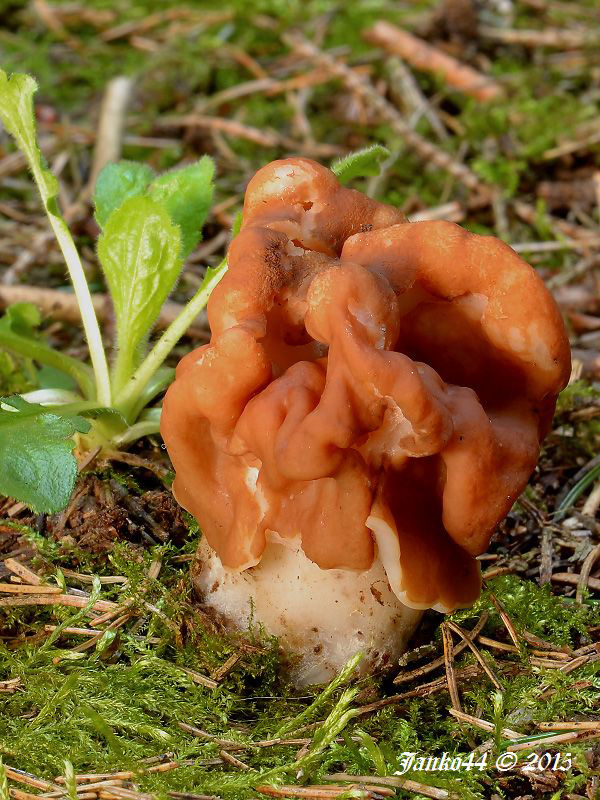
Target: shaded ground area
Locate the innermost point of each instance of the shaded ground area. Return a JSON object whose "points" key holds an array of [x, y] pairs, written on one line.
{"points": [[128, 673]]}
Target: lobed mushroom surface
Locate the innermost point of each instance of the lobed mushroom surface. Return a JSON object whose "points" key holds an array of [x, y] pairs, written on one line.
{"points": [[372, 388]]}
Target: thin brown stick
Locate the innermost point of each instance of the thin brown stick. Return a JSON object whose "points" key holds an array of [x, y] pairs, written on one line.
{"points": [[508, 623], [20, 776], [483, 724], [397, 782], [88, 787], [584, 575], [72, 600], [575, 736], [322, 792], [25, 588], [569, 726], [449, 660], [240, 131], [573, 579], [484, 665], [26, 574], [219, 673], [424, 56], [93, 778], [235, 762], [559, 38], [197, 677]]}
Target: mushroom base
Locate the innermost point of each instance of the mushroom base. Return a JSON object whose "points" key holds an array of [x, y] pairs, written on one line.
{"points": [[321, 617]]}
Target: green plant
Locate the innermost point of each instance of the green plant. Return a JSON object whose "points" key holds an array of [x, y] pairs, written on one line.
{"points": [[149, 225]]}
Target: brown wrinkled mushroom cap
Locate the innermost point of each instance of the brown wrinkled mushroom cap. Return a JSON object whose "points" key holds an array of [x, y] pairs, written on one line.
{"points": [[369, 383]]}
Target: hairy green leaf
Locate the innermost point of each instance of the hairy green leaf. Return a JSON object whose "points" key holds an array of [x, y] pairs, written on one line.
{"points": [[364, 163], [37, 466], [187, 195], [21, 318], [16, 113], [139, 251], [116, 183]]}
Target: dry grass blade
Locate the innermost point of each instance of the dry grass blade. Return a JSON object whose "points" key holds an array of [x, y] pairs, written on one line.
{"points": [[584, 575], [261, 137], [235, 762], [109, 139], [483, 724], [508, 623], [558, 38], [484, 665], [11, 685], [225, 668], [324, 792], [25, 588], [197, 677], [572, 737], [398, 783], [26, 574], [449, 660], [75, 601], [20, 776], [569, 726]]}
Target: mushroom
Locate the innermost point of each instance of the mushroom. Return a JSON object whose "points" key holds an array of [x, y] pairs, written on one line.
{"points": [[370, 405]]}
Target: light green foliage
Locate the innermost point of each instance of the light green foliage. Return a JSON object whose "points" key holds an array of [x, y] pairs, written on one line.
{"points": [[186, 194], [139, 251], [22, 319], [118, 182], [4, 793], [70, 782], [36, 459], [16, 113], [362, 164]]}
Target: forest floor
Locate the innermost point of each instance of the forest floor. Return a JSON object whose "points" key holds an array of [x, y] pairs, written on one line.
{"points": [[125, 688]]}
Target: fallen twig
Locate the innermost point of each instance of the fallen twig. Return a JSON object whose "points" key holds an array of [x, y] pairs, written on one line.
{"points": [[559, 38], [26, 574], [261, 137], [396, 782], [483, 724], [57, 600], [584, 575], [424, 56]]}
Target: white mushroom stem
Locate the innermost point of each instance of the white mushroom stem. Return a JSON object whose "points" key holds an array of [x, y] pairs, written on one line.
{"points": [[321, 617]]}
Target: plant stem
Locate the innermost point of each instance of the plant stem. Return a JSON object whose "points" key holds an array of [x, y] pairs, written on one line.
{"points": [[135, 432], [162, 378], [29, 348], [78, 279], [84, 300], [127, 398]]}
